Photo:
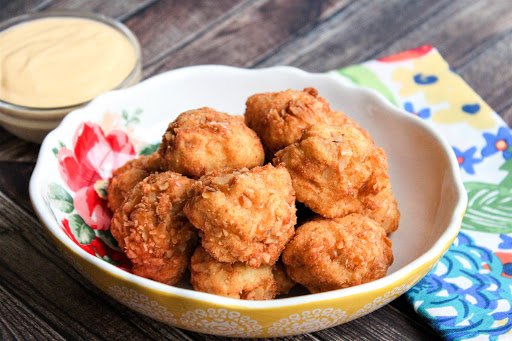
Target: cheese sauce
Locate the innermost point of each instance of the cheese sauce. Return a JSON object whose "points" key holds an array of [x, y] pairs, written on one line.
{"points": [[61, 61]]}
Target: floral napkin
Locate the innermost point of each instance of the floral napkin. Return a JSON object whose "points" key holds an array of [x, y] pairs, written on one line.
{"points": [[468, 295]]}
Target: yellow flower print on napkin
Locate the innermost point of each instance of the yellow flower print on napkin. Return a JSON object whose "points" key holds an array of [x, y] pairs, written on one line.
{"points": [[432, 76]]}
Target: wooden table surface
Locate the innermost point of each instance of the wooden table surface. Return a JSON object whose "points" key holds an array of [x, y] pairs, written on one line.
{"points": [[43, 297]]}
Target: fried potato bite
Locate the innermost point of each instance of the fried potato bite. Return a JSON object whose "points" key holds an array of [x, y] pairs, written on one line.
{"points": [[126, 177], [387, 214], [336, 170], [338, 118], [204, 140], [244, 215], [280, 117], [152, 229], [237, 280], [330, 254]]}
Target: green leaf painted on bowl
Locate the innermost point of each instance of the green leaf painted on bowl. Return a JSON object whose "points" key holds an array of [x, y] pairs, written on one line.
{"points": [[131, 119], [490, 205], [363, 76], [107, 258], [55, 150], [60, 198], [83, 233], [150, 149], [108, 239]]}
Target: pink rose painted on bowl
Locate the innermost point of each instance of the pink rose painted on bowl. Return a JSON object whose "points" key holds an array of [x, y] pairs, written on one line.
{"points": [[92, 208], [94, 156]]}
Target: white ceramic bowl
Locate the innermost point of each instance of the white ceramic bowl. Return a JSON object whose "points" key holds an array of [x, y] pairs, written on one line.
{"points": [[423, 170]]}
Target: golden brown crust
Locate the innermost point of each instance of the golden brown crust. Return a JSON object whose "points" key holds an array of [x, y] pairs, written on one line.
{"points": [[330, 254], [338, 118], [284, 282], [244, 215], [280, 117], [237, 280], [152, 229], [387, 214], [203, 140], [335, 171], [126, 177]]}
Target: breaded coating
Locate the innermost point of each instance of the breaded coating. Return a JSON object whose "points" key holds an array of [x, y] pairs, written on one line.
{"points": [[152, 229], [284, 282], [336, 170], [244, 215], [387, 214], [131, 173], [330, 254], [204, 140], [338, 118], [237, 280], [280, 117]]}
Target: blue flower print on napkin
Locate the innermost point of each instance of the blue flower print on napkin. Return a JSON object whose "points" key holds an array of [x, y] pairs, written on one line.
{"points": [[499, 143], [422, 113], [466, 159]]}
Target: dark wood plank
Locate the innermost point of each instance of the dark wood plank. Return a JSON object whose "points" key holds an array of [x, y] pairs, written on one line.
{"points": [[14, 179], [487, 75], [169, 25], [506, 114], [460, 31], [35, 273], [478, 52], [206, 337], [119, 9], [17, 321], [485, 24], [354, 34], [13, 148], [253, 33], [9, 8]]}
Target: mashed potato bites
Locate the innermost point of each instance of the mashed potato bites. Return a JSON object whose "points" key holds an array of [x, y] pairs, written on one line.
{"points": [[280, 117], [244, 215], [204, 140], [326, 173], [336, 170], [126, 177], [237, 280], [330, 254], [152, 229]]}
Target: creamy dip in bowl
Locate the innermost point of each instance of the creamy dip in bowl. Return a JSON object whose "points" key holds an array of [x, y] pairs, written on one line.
{"points": [[54, 62]]}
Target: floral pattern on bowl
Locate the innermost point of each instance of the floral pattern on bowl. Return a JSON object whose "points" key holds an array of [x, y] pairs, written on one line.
{"points": [[81, 204]]}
